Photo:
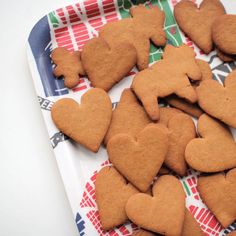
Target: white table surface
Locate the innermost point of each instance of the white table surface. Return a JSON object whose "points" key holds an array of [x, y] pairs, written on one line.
{"points": [[32, 197]]}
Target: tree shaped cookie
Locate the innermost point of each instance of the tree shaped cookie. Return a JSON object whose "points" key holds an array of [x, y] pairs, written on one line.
{"points": [[77, 120], [68, 64], [156, 213], [218, 192], [219, 101], [146, 24], [112, 192], [215, 150], [128, 117], [197, 22], [168, 76]]}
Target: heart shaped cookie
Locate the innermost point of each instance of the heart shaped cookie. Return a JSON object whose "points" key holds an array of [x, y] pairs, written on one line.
{"points": [[197, 22], [223, 33], [143, 232], [182, 131], [215, 150], [145, 24], [112, 192], [219, 194], [106, 66], [219, 101], [191, 226], [156, 213], [139, 160], [86, 123]]}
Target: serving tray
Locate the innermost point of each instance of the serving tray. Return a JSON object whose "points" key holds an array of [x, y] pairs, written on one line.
{"points": [[71, 27]]}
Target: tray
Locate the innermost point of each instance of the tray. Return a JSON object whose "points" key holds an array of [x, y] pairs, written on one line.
{"points": [[71, 27]]}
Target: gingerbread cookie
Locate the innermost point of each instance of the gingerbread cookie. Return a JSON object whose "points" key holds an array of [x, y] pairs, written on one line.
{"points": [[160, 81], [182, 131], [142, 232], [112, 192], [223, 33], [197, 22], [182, 104], [172, 118], [215, 150], [129, 117], [219, 194], [189, 108], [77, 121], [225, 57], [233, 233], [153, 213], [166, 113], [68, 64], [219, 101], [191, 226], [146, 24], [164, 171], [106, 66], [205, 70], [140, 159]]}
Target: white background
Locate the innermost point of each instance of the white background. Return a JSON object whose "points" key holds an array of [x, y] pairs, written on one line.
{"points": [[32, 197]]}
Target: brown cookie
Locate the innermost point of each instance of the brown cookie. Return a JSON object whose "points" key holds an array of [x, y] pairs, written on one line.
{"points": [[129, 117], [142, 232], [191, 226], [219, 194], [180, 103], [112, 192], [140, 159], [232, 233], [160, 81], [215, 150], [153, 213], [68, 64], [181, 132], [205, 70], [189, 108], [225, 57], [166, 113], [77, 120], [197, 22], [146, 24], [224, 32], [163, 171], [179, 125], [106, 66], [219, 101]]}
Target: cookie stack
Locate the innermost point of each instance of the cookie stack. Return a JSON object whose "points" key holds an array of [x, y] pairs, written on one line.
{"points": [[150, 146]]}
